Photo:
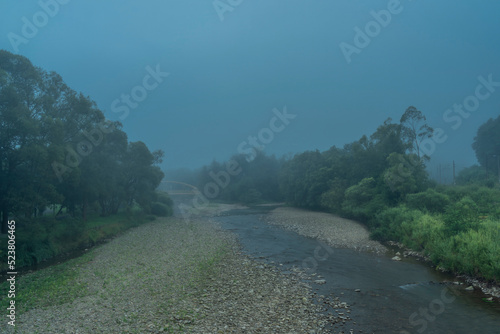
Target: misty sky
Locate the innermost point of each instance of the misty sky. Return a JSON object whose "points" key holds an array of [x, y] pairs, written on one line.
{"points": [[226, 76]]}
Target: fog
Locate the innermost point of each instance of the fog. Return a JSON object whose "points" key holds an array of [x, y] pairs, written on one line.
{"points": [[203, 76]]}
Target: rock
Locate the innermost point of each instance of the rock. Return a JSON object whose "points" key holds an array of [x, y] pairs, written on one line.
{"points": [[398, 254], [396, 258], [320, 281], [469, 288]]}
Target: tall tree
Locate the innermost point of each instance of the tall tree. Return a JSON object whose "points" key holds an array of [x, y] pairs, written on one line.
{"points": [[56, 149], [487, 144], [25, 141], [415, 130]]}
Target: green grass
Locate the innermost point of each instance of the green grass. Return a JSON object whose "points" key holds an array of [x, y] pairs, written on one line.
{"points": [[42, 239], [55, 285]]}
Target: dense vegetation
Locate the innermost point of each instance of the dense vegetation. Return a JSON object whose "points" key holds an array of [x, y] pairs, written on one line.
{"points": [[62, 162], [382, 181], [254, 180]]}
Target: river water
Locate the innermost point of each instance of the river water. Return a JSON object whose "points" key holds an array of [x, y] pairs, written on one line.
{"points": [[394, 297]]}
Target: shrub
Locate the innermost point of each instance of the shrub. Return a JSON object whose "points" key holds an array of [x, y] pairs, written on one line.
{"points": [[362, 201], [487, 200], [461, 216], [164, 198], [473, 252], [160, 209], [423, 232], [429, 200], [388, 224], [475, 175]]}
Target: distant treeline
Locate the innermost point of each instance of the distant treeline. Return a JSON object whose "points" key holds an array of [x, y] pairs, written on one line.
{"points": [[58, 152], [382, 181]]}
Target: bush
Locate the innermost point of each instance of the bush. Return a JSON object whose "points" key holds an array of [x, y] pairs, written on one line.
{"points": [[487, 200], [424, 232], [473, 252], [164, 198], [461, 216], [160, 209], [475, 175], [362, 201], [333, 198], [429, 200], [388, 224]]}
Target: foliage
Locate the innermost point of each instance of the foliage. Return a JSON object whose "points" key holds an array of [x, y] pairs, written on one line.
{"points": [[475, 175], [164, 198], [415, 130], [362, 201], [39, 240], [333, 198], [429, 200], [487, 145], [404, 175], [248, 180], [56, 148], [381, 180], [387, 224], [461, 216], [474, 252], [302, 179], [160, 209]]}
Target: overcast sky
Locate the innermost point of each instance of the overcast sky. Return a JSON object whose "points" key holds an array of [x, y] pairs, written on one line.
{"points": [[342, 67]]}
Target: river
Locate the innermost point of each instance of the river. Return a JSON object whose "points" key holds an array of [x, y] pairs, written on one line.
{"points": [[394, 296]]}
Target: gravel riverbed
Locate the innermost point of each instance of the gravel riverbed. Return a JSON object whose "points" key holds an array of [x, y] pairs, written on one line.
{"points": [[336, 231], [175, 276]]}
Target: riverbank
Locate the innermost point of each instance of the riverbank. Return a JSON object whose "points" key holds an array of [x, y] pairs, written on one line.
{"points": [[168, 276], [44, 241], [345, 233], [334, 230]]}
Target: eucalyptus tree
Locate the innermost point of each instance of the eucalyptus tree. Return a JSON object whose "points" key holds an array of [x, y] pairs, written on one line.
{"points": [[415, 130]]}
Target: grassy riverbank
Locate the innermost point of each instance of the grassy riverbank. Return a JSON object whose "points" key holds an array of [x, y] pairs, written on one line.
{"points": [[40, 240]]}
